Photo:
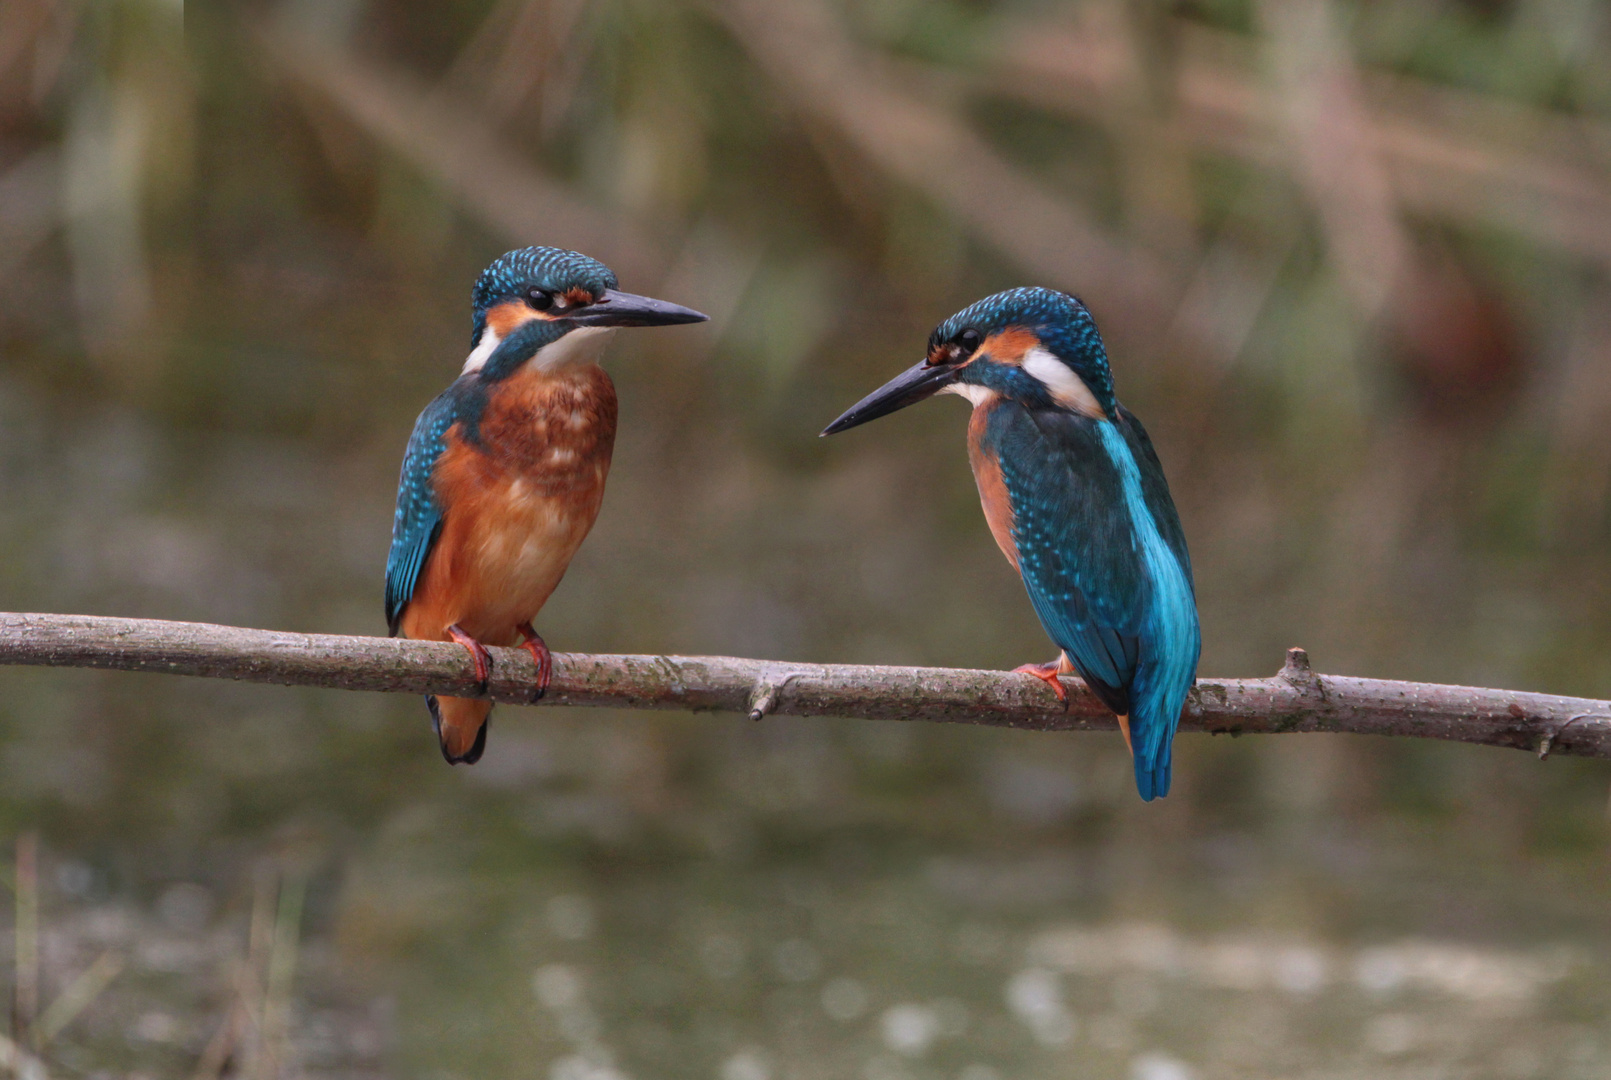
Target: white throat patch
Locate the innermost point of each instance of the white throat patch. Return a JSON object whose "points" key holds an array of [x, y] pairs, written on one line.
{"points": [[979, 395], [483, 349], [582, 345], [1065, 386]]}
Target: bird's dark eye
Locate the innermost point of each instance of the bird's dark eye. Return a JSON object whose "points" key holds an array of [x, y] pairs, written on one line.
{"points": [[540, 300], [968, 340]]}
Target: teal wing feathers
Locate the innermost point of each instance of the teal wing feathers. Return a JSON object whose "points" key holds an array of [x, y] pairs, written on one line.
{"points": [[418, 520], [1081, 577], [1155, 489], [1104, 562]]}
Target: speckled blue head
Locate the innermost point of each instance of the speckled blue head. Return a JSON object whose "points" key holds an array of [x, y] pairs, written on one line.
{"points": [[1033, 345], [537, 297], [1061, 325], [553, 271]]}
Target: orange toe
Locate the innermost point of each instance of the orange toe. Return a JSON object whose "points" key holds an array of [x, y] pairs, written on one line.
{"points": [[478, 653], [1048, 674], [540, 655]]}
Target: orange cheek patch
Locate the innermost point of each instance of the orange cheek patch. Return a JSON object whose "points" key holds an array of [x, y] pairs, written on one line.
{"points": [[1009, 346], [502, 319]]}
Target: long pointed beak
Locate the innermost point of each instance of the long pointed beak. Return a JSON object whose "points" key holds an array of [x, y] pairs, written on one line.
{"points": [[628, 309], [908, 388]]}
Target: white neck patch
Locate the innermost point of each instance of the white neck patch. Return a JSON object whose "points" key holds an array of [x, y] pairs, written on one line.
{"points": [[979, 395], [582, 345], [1061, 381], [483, 349]]}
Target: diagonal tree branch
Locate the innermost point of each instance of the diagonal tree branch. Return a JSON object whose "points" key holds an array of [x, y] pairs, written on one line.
{"points": [[855, 93], [454, 147], [1294, 700], [1449, 153]]}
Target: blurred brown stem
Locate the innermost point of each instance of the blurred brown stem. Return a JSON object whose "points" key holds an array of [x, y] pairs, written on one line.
{"points": [[1450, 154], [453, 146], [25, 1004], [1295, 700]]}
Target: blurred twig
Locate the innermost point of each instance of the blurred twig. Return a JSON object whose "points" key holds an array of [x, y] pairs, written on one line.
{"points": [[456, 149], [30, 206], [523, 48], [20, 1063], [1319, 98], [25, 1000], [79, 995], [242, 1039], [834, 81], [31, 1033], [274, 1028], [1295, 700], [221, 1047], [1448, 153], [21, 23]]}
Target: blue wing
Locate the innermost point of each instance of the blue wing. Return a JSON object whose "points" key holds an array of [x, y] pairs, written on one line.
{"points": [[1078, 567], [418, 520], [1155, 489], [1104, 562], [1172, 639]]}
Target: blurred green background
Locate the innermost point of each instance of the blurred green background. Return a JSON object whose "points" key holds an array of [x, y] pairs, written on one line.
{"points": [[1351, 260]]}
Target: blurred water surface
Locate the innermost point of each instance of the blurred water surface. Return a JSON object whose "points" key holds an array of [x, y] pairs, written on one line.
{"points": [[1351, 261]]}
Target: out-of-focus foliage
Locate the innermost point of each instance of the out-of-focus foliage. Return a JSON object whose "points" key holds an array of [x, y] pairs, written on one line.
{"points": [[1352, 263]]}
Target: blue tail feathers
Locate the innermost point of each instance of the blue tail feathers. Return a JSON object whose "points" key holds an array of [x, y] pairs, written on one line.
{"points": [[1152, 780], [1152, 733]]}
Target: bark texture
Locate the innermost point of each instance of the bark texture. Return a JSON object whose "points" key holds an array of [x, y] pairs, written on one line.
{"points": [[1296, 699]]}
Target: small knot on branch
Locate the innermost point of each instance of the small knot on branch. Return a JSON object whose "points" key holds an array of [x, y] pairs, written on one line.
{"points": [[1299, 675], [1547, 743], [767, 693]]}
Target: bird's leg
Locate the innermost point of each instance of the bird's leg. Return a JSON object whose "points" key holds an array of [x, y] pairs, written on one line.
{"points": [[1048, 673], [478, 654], [544, 659]]}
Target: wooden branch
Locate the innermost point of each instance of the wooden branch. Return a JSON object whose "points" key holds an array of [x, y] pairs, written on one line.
{"points": [[1295, 699]]}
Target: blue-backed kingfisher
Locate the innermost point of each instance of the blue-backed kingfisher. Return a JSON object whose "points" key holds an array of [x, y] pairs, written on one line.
{"points": [[1077, 501], [505, 471]]}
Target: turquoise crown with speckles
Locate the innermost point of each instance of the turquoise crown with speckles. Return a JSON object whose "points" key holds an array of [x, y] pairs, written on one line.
{"points": [[550, 269], [1063, 325]]}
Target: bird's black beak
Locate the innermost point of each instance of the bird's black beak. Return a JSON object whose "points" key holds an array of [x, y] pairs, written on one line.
{"points": [[628, 309], [908, 388]]}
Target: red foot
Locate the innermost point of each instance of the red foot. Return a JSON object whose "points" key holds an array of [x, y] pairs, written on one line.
{"points": [[1046, 673], [544, 659], [478, 654]]}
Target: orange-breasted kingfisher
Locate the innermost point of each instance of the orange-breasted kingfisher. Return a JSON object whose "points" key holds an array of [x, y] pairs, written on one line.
{"points": [[1077, 501], [504, 474]]}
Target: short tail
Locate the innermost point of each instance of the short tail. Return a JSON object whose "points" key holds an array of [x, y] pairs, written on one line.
{"points": [[461, 725], [1152, 745], [1152, 780]]}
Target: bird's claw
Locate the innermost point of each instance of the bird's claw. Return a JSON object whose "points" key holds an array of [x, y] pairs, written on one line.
{"points": [[1048, 674], [478, 654], [540, 655]]}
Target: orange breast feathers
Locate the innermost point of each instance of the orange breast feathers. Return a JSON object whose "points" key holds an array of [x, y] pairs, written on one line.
{"points": [[992, 488], [517, 503]]}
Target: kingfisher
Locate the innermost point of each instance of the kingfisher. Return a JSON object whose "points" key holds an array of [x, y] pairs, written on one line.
{"points": [[504, 474], [1076, 499]]}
